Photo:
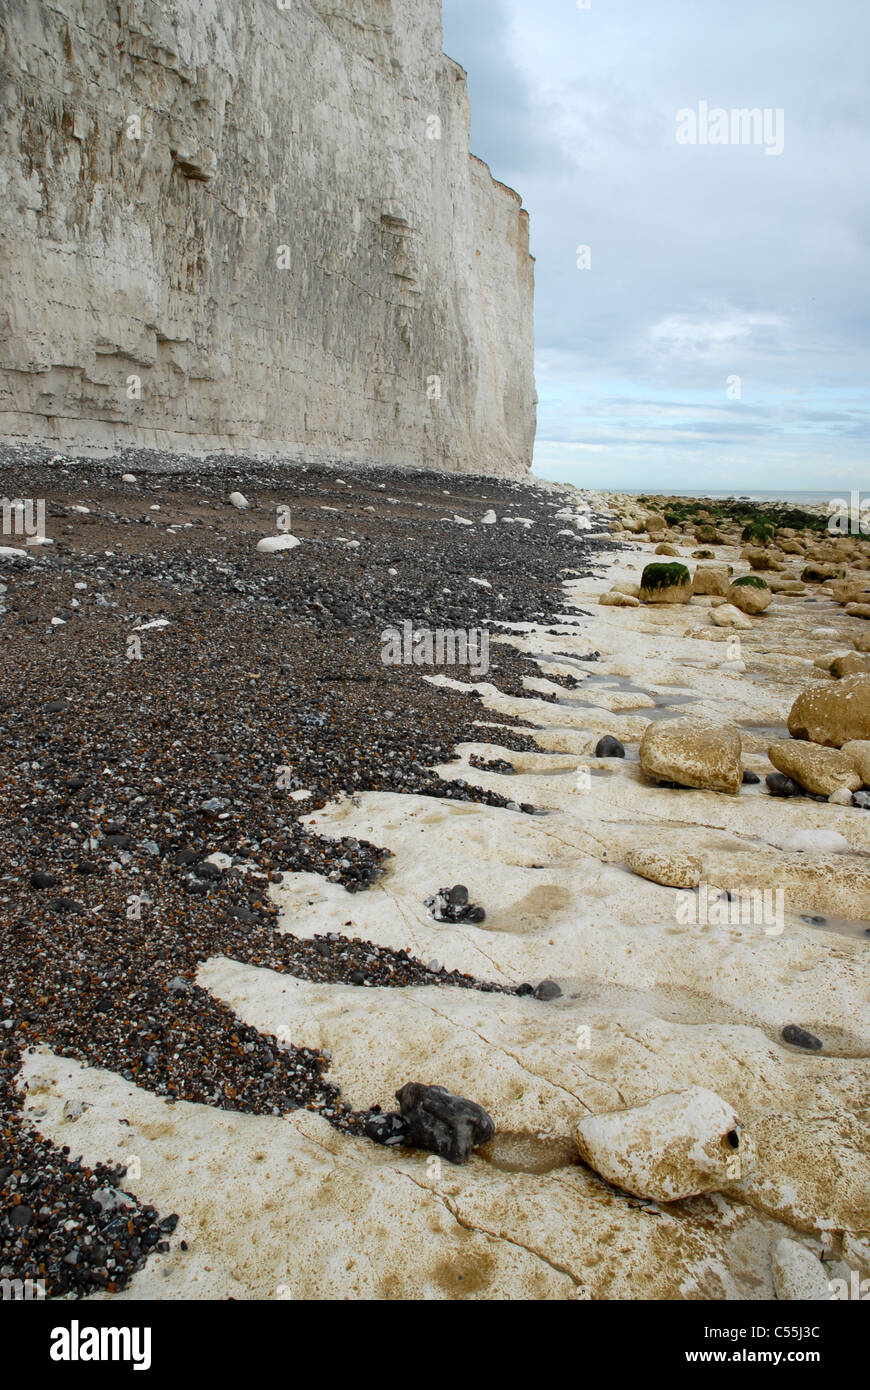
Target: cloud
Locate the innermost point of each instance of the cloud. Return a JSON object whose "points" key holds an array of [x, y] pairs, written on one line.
{"points": [[707, 262]]}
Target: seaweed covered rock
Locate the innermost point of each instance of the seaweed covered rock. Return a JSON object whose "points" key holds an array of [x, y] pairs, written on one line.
{"points": [[750, 594], [663, 583]]}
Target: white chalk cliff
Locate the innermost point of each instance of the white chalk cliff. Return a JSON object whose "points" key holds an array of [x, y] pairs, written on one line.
{"points": [[256, 227]]}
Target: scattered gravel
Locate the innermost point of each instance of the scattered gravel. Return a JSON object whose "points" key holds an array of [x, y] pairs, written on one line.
{"points": [[133, 758]]}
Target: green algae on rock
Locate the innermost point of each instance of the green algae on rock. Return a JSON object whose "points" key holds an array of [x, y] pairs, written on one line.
{"points": [[663, 583]]}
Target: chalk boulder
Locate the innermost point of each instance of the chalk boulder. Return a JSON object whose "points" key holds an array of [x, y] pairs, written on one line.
{"points": [[677, 1145], [693, 754]]}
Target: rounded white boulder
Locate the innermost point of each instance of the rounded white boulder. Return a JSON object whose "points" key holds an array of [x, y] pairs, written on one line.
{"points": [[677, 1145], [269, 544]]}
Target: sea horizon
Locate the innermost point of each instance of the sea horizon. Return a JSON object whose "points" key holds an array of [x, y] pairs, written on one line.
{"points": [[805, 497]]}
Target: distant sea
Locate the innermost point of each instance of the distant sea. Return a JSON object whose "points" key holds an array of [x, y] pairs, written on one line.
{"points": [[798, 499]]}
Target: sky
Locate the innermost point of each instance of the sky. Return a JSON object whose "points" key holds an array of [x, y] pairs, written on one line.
{"points": [[717, 335]]}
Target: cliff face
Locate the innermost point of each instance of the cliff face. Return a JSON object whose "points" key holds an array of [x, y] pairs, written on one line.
{"points": [[244, 226]]}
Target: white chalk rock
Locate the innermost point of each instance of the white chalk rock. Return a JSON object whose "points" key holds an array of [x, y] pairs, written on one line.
{"points": [[239, 501], [490, 518], [798, 1275], [676, 1145], [128, 478], [269, 544], [8, 552], [816, 841], [841, 797], [729, 616]]}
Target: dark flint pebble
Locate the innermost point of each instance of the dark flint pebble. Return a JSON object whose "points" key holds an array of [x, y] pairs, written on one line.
{"points": [[861, 799], [447, 1125], [525, 989], [609, 747], [240, 914], [58, 706], [40, 880], [357, 977], [750, 779], [780, 785], [814, 920], [66, 905], [452, 905], [548, 989], [388, 1129], [799, 1037], [20, 1217]]}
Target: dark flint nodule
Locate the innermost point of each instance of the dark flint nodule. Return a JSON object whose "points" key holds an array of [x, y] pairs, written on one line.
{"points": [[609, 747], [780, 785], [41, 880], [444, 1124], [452, 905], [389, 1129], [548, 989], [799, 1037]]}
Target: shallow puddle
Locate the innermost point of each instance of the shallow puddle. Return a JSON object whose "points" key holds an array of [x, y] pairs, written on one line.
{"points": [[840, 926], [769, 731], [529, 1153]]}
